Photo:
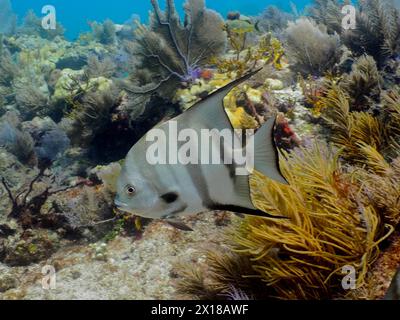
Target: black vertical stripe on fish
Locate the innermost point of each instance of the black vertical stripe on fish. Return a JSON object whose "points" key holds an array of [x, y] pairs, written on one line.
{"points": [[229, 166], [196, 175]]}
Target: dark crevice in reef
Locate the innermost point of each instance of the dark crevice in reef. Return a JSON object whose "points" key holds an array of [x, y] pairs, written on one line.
{"points": [[114, 142]]}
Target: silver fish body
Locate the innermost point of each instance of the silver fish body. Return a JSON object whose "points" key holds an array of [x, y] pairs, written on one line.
{"points": [[172, 189]]}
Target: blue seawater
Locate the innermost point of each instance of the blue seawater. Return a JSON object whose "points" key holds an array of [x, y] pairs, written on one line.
{"points": [[75, 14]]}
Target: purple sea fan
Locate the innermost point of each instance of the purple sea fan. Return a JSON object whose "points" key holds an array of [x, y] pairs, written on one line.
{"points": [[16, 142], [194, 73], [170, 50], [237, 294], [52, 144]]}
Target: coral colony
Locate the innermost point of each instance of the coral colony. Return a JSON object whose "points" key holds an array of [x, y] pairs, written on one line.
{"points": [[70, 110]]}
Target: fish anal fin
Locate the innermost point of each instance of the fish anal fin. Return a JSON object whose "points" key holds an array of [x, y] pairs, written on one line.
{"points": [[238, 214], [242, 210], [242, 192]]}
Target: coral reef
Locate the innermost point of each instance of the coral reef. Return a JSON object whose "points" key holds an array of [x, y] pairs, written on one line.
{"points": [[31, 96], [324, 210], [91, 108], [32, 25], [355, 184], [104, 32], [377, 30], [17, 142], [312, 50], [53, 143], [27, 208], [274, 20], [328, 13], [100, 68], [170, 51], [37, 246], [8, 72], [238, 31], [71, 109], [352, 129], [268, 51], [363, 84]]}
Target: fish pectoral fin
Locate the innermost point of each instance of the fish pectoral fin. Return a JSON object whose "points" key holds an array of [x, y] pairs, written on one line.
{"points": [[179, 225], [266, 157]]}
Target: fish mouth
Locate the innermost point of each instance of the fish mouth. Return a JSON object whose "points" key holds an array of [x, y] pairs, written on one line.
{"points": [[125, 208], [121, 206]]}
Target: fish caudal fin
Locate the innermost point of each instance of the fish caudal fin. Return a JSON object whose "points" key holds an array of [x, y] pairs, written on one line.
{"points": [[266, 157]]}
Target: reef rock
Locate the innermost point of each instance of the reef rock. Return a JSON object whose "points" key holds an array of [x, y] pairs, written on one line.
{"points": [[274, 84], [64, 81], [29, 247], [7, 282]]}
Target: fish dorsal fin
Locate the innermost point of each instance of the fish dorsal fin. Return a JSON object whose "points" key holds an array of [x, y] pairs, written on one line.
{"points": [[210, 112], [266, 157]]}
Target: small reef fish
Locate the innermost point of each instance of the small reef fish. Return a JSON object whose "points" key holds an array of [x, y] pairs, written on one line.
{"points": [[168, 191]]}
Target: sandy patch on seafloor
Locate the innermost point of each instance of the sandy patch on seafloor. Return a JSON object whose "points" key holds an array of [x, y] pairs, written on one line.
{"points": [[131, 269], [145, 268]]}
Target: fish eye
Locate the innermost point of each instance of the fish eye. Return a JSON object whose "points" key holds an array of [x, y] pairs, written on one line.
{"points": [[130, 190]]}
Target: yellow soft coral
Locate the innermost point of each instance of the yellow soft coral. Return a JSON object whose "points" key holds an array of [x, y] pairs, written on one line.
{"points": [[336, 218], [350, 129], [329, 227], [268, 51], [240, 119]]}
